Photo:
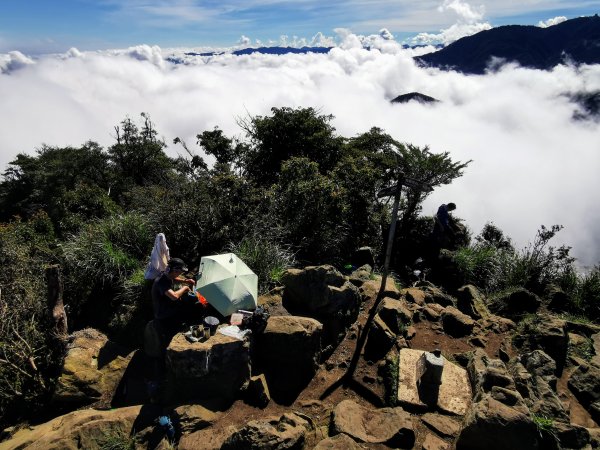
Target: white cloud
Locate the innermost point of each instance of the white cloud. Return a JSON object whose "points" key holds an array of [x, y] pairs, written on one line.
{"points": [[13, 61], [465, 12], [532, 164], [244, 41], [385, 34], [468, 23], [550, 22]]}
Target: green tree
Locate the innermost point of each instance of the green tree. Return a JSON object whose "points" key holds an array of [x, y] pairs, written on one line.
{"points": [[287, 133], [138, 156], [41, 182]]}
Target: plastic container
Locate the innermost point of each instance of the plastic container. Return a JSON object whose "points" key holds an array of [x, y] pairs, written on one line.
{"points": [[236, 319], [212, 323]]}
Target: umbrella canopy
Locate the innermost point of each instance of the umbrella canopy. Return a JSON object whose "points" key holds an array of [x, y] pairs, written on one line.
{"points": [[227, 283]]}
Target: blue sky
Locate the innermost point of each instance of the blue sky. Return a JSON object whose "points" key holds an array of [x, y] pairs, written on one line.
{"points": [[41, 26]]}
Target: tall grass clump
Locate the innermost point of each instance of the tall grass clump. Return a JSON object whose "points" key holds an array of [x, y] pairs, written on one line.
{"points": [[266, 256], [494, 265], [101, 261]]}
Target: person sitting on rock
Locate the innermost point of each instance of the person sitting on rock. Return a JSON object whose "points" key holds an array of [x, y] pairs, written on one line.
{"points": [[167, 304]]}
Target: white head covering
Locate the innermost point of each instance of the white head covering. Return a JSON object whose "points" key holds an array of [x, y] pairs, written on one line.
{"points": [[158, 258]]}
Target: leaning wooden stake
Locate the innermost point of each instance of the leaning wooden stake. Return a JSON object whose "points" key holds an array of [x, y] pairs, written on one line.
{"points": [[55, 301], [347, 378]]}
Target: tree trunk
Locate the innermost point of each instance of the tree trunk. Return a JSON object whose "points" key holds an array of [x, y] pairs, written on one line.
{"points": [[55, 301]]}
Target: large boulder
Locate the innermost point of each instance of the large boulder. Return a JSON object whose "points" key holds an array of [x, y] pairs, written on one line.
{"points": [[323, 293], [288, 353], [515, 303], [390, 426], [585, 384], [395, 314], [87, 428], [455, 323], [218, 367], [534, 384], [287, 432], [92, 371], [492, 425], [471, 302], [546, 333], [490, 376]]}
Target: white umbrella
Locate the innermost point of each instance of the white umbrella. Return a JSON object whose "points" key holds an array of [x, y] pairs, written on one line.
{"points": [[227, 283]]}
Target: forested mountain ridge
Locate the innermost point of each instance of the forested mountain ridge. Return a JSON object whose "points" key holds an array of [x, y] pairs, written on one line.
{"points": [[576, 40]]}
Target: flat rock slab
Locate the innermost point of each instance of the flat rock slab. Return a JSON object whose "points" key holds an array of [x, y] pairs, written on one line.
{"points": [[455, 390], [432, 442], [442, 425], [392, 426]]}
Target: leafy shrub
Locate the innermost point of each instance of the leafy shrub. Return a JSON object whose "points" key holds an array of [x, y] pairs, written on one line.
{"points": [[29, 352]]}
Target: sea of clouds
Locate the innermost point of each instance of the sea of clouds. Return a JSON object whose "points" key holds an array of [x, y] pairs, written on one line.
{"points": [[533, 164]]}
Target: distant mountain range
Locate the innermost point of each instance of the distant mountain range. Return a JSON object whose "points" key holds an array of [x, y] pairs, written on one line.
{"points": [[575, 40]]}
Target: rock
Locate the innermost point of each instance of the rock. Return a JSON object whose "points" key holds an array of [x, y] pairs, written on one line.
{"points": [[478, 341], [257, 392], [454, 395], [594, 410], [92, 371], [442, 425], [455, 323], [415, 295], [431, 313], [286, 432], [318, 290], [485, 373], [273, 302], [395, 314], [218, 367], [338, 442], [515, 303], [436, 295], [596, 343], [288, 352], [558, 300], [324, 294], [509, 397], [586, 329], [576, 340], [499, 324], [549, 334], [370, 289], [491, 425], [471, 302], [363, 256], [594, 437], [585, 384], [540, 364], [380, 340], [390, 426], [432, 442], [534, 385], [192, 418], [360, 275], [571, 436], [86, 428]]}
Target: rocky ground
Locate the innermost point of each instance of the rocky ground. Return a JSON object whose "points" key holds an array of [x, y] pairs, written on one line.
{"points": [[516, 375]]}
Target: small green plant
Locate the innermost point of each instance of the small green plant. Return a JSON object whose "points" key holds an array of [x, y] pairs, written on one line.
{"points": [[583, 350], [545, 426], [116, 440], [390, 379]]}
